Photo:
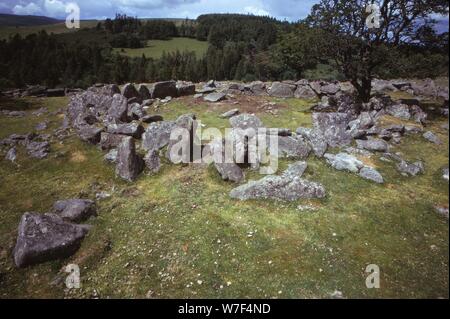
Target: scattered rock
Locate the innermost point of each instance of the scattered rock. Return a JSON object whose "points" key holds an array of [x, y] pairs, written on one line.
{"points": [[184, 89], [129, 129], [400, 111], [333, 127], [129, 91], [90, 134], [246, 121], [411, 169], [371, 174], [46, 237], [230, 114], [431, 137], [288, 187], [315, 139], [161, 90], [111, 156], [214, 97], [305, 92], [129, 164], [41, 126], [152, 161], [373, 144], [119, 109], [152, 119], [157, 135], [282, 90], [109, 141], [230, 172], [38, 150], [344, 162], [75, 210], [11, 155]]}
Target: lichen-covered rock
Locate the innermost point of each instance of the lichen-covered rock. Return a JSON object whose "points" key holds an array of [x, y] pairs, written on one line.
{"points": [[185, 89], [75, 210], [129, 163], [411, 169], [161, 90], [344, 162], [109, 141], [245, 121], [230, 172], [90, 134], [373, 144], [400, 111], [292, 147], [11, 155], [333, 127], [214, 97], [315, 139], [129, 91], [129, 129], [431, 137], [152, 161], [118, 110], [287, 187], [371, 174], [230, 114], [157, 135], [37, 149], [282, 90], [46, 237], [305, 92]]}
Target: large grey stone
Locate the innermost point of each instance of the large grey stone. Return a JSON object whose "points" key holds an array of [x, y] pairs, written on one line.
{"points": [[287, 187], [333, 127], [411, 169], [282, 90], [373, 144], [75, 210], [129, 129], [109, 141], [46, 237], [37, 149], [157, 135], [161, 90], [371, 174], [245, 121], [152, 161], [119, 109], [129, 164], [431, 137], [400, 111], [344, 162], [214, 97], [315, 139]]}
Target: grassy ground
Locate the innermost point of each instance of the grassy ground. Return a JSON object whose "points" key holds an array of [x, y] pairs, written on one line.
{"points": [[178, 234], [58, 28], [155, 48]]}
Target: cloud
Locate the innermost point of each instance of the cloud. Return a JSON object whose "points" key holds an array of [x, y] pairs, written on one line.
{"points": [[256, 11], [29, 9], [54, 8], [97, 9]]}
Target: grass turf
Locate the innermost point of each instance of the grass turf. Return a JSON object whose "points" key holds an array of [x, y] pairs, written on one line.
{"points": [[179, 234]]}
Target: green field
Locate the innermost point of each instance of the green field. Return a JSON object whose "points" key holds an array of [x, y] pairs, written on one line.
{"points": [[155, 48], [58, 28], [179, 234]]}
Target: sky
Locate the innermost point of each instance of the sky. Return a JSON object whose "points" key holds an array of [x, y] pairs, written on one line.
{"points": [[291, 10]]}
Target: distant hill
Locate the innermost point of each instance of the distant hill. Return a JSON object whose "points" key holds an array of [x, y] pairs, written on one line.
{"points": [[11, 20]]}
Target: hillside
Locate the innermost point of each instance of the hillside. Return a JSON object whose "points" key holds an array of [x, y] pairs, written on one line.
{"points": [[11, 20]]}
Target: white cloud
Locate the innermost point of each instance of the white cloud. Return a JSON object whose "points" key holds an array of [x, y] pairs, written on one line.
{"points": [[54, 8], [256, 11], [29, 9]]}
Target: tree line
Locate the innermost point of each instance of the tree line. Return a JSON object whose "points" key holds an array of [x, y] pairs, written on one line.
{"points": [[241, 47]]}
